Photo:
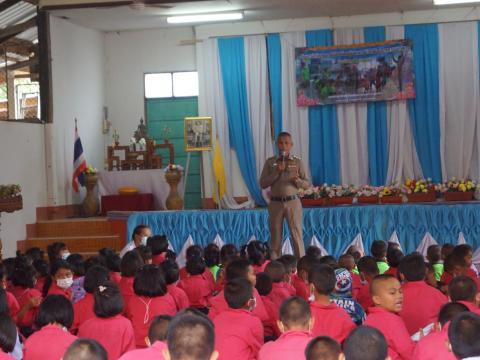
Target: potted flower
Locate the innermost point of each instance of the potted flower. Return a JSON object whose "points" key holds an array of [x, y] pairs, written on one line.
{"points": [[90, 203], [313, 196], [10, 198], [368, 194], [341, 194], [391, 194], [459, 189], [420, 190], [141, 145]]}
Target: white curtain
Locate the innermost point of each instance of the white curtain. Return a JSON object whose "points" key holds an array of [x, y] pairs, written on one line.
{"points": [[256, 69], [402, 154], [352, 126], [295, 118], [459, 99]]}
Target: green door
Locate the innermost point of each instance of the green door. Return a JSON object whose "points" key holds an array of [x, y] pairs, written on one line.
{"points": [[170, 112]]}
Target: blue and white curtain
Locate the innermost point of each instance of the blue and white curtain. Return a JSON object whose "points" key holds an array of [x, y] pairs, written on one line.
{"points": [[248, 83]]}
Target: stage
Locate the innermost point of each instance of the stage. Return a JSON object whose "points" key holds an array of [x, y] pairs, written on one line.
{"points": [[334, 227]]}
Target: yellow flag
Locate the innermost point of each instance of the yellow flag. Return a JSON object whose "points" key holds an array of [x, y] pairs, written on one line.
{"points": [[219, 173]]}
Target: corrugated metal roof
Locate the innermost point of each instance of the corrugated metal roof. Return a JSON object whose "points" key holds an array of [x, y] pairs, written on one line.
{"points": [[17, 13]]}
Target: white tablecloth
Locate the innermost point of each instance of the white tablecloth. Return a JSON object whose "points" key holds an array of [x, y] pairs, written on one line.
{"points": [[146, 181]]}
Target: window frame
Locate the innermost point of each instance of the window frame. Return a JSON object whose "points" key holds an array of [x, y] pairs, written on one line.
{"points": [[171, 73]]}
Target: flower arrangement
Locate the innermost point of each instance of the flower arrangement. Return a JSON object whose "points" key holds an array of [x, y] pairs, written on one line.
{"points": [[459, 185], [9, 191], [173, 167], [418, 186], [340, 191], [391, 190], [313, 192], [368, 191], [90, 170]]}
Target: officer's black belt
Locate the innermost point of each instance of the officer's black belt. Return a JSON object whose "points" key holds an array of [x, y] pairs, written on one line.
{"points": [[283, 198]]}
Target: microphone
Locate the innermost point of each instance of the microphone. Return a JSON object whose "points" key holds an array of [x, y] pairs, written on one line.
{"points": [[284, 155]]}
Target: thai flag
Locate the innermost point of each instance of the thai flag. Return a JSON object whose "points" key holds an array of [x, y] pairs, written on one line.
{"points": [[79, 162]]}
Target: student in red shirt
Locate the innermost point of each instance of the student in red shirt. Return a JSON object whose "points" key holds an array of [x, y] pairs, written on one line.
{"points": [[323, 348], [434, 346], [8, 336], [368, 269], [300, 279], [156, 341], [83, 309], [455, 265], [238, 334], [129, 265], [85, 349], [43, 272], [465, 251], [365, 343], [171, 273], [464, 290], [388, 299], [421, 302], [329, 319], [290, 263], [394, 256], [264, 287], [276, 271], [193, 251], [257, 255], [112, 263], [60, 280], [196, 286], [150, 299], [347, 261], [113, 331], [463, 336], [159, 246], [54, 318], [57, 251], [295, 324]]}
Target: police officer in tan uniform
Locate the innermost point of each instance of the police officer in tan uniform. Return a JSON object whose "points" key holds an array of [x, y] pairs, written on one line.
{"points": [[285, 175]]}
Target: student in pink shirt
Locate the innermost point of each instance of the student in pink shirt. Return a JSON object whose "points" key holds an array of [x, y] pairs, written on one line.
{"points": [[54, 318], [394, 256], [156, 341], [347, 261], [83, 309], [421, 302], [295, 324], [264, 287], [329, 319], [150, 299], [276, 271], [388, 299], [323, 348], [8, 336], [60, 281], [300, 279], [129, 265], [196, 286], [290, 263], [113, 331], [238, 334], [171, 273], [365, 343], [85, 349], [368, 269], [434, 346], [159, 246], [463, 336], [257, 255], [464, 290]]}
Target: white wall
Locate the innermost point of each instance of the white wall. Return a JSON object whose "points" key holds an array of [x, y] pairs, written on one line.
{"points": [[22, 161], [78, 79]]}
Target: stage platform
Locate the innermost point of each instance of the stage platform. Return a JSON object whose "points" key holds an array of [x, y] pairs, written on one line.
{"points": [[334, 227]]}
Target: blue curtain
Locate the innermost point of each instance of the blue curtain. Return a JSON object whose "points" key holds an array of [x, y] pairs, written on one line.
{"points": [[324, 148], [377, 124], [274, 49], [424, 110], [232, 62]]}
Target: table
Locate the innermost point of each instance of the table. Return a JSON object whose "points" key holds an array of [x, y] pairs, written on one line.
{"points": [[133, 202]]}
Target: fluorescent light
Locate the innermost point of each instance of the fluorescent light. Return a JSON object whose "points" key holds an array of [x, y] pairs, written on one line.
{"points": [[181, 19], [452, 2]]}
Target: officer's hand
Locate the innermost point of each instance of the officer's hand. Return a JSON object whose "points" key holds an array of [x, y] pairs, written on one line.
{"points": [[281, 166]]}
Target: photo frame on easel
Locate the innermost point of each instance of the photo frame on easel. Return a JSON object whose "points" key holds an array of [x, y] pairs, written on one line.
{"points": [[198, 133]]}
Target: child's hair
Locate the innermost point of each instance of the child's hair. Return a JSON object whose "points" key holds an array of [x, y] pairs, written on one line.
{"points": [[42, 268], [256, 252], [392, 245], [462, 288], [463, 335], [263, 284], [108, 300], [57, 265], [138, 230], [171, 271], [290, 263], [323, 279], [449, 311], [158, 244], [394, 257], [3, 302], [53, 251], [328, 260], [195, 265], [158, 328], [190, 337], [96, 260], [446, 250], [355, 252], [8, 266], [365, 343], [368, 266], [78, 264], [305, 264], [24, 276], [194, 251], [237, 269], [130, 263], [434, 254], [55, 309], [149, 281], [379, 249], [228, 252], [85, 349], [413, 267], [462, 250], [378, 281], [453, 261], [284, 134], [8, 333], [322, 348], [145, 253], [237, 293], [295, 312], [212, 255], [95, 276], [313, 252], [346, 261], [112, 260], [170, 255], [276, 271], [35, 253]]}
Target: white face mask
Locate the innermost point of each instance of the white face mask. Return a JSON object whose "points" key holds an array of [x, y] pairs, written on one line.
{"points": [[65, 283], [65, 255], [144, 240]]}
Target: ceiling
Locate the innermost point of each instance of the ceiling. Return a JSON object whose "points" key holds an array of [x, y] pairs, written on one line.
{"points": [[126, 18]]}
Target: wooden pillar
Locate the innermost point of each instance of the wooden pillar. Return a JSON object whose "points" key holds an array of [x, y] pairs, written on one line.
{"points": [[11, 94]]}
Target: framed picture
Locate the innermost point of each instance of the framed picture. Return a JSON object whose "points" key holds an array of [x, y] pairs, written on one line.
{"points": [[198, 133]]}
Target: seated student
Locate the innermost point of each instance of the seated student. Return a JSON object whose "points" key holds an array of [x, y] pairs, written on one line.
{"points": [[8, 336], [347, 261], [190, 337], [112, 263], [329, 319], [43, 272], [300, 279], [264, 287], [295, 324], [342, 296], [129, 265], [228, 253], [257, 255], [365, 343], [150, 299], [387, 297], [157, 335], [280, 292], [60, 280], [367, 266], [85, 349], [171, 273], [394, 256], [193, 251], [434, 346], [238, 333], [379, 253], [463, 336], [78, 268], [455, 265], [465, 251], [57, 251], [52, 340], [434, 257], [430, 278], [290, 263], [198, 289], [421, 302], [113, 331], [447, 249], [328, 260], [145, 253], [159, 246], [464, 290], [323, 348], [212, 259], [139, 237], [83, 310], [313, 252]]}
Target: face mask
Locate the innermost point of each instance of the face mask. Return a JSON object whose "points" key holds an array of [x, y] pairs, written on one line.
{"points": [[253, 304], [65, 255], [65, 283], [144, 241]]}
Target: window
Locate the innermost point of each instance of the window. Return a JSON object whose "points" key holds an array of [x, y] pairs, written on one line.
{"points": [[167, 85]]}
